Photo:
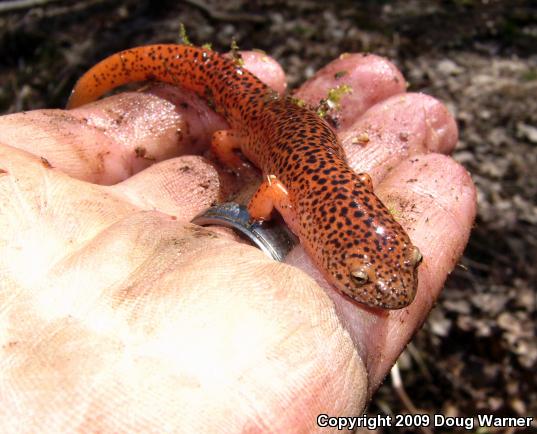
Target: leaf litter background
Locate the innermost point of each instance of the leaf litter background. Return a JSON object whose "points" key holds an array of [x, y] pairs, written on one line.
{"points": [[477, 353]]}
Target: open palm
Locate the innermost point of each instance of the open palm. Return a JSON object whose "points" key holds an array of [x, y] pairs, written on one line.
{"points": [[119, 315]]}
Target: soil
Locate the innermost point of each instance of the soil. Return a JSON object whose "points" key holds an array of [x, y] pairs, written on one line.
{"points": [[477, 353]]}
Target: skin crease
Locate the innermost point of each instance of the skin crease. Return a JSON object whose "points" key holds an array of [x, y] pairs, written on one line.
{"points": [[117, 315]]}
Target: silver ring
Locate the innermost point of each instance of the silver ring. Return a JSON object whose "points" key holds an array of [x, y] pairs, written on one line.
{"points": [[273, 237]]}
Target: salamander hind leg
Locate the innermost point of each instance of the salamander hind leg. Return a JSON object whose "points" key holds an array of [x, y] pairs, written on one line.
{"points": [[224, 145], [271, 195]]}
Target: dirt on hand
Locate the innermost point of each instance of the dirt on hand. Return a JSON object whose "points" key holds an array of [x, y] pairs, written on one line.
{"points": [[477, 353]]}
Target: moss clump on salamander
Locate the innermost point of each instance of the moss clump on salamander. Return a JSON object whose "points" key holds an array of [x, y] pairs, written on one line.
{"points": [[183, 37], [237, 58], [333, 99], [297, 101]]}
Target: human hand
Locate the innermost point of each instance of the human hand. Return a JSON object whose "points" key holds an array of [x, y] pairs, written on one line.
{"points": [[119, 315]]}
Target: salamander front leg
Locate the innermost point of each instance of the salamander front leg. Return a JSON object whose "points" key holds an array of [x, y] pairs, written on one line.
{"points": [[271, 195], [225, 144], [366, 180]]}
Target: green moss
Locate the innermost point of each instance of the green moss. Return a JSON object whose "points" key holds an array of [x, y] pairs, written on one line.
{"points": [[333, 99], [322, 110], [183, 37], [394, 212], [297, 101], [529, 75], [237, 58], [304, 31], [335, 94]]}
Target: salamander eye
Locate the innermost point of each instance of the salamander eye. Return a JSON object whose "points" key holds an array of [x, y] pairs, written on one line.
{"points": [[359, 277], [416, 257]]}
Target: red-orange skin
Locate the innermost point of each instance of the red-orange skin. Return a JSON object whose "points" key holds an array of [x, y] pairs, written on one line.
{"points": [[342, 225]]}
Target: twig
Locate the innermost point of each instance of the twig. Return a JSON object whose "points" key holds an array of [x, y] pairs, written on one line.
{"points": [[225, 16], [405, 399], [16, 5], [416, 355]]}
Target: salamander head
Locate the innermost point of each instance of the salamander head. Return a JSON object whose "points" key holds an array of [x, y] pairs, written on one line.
{"points": [[367, 254], [383, 282]]}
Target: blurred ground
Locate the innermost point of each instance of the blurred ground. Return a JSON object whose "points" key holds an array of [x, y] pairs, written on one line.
{"points": [[478, 350]]}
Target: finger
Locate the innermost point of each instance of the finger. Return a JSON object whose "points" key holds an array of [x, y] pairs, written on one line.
{"points": [[379, 125], [266, 69], [112, 139], [395, 129], [115, 137], [437, 206], [370, 78]]}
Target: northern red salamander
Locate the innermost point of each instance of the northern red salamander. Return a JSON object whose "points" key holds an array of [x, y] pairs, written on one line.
{"points": [[343, 226]]}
